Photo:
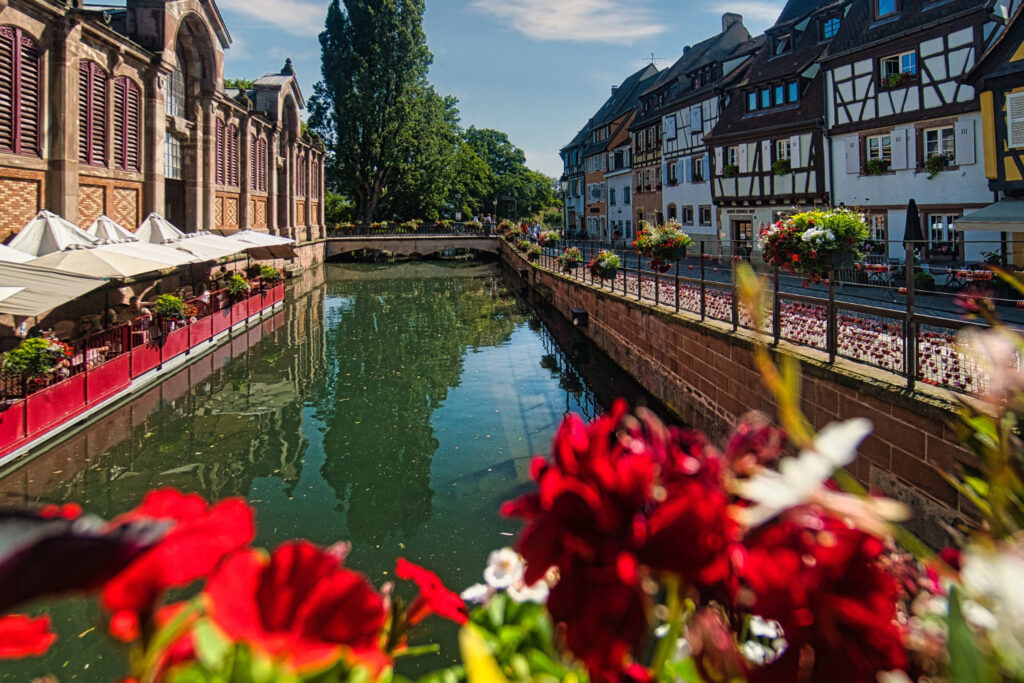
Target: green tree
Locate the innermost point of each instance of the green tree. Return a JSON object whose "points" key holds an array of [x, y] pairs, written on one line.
{"points": [[374, 59], [337, 208], [496, 150], [473, 182]]}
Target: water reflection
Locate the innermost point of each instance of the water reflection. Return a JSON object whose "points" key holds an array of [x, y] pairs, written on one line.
{"points": [[394, 406]]}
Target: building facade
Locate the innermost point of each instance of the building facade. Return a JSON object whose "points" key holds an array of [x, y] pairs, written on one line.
{"points": [[123, 111]]}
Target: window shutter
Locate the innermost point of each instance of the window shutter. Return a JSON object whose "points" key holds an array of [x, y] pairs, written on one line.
{"points": [[670, 126], [232, 155], [911, 147], [687, 166], [964, 132], [8, 97], [766, 155], [98, 113], [120, 125], [221, 152], [263, 165], [899, 149], [254, 163], [742, 158], [1015, 119], [133, 127], [28, 97], [852, 154], [718, 160], [84, 129], [795, 160]]}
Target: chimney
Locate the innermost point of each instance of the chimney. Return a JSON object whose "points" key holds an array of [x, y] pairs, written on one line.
{"points": [[615, 89], [729, 19], [686, 48]]}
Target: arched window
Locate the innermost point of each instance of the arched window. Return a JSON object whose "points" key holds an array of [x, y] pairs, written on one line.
{"points": [[174, 90], [258, 176], [19, 93], [300, 174], [127, 124], [232, 156], [92, 113], [220, 153]]}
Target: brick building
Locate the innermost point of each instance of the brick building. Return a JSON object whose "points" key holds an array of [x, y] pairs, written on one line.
{"points": [[123, 111]]}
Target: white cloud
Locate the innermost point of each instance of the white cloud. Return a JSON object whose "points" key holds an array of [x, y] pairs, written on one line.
{"points": [[294, 16], [756, 13], [622, 22]]}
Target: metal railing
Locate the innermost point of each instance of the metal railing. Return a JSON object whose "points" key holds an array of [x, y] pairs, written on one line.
{"points": [[427, 229], [872, 314]]}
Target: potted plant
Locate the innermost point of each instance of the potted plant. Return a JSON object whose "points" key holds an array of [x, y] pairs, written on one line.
{"points": [[474, 225], [524, 245], [815, 242], [569, 259], [412, 225], [665, 243], [781, 167], [934, 164], [876, 166], [253, 270], [35, 358], [730, 171], [605, 265], [170, 311], [533, 252], [549, 238], [238, 287], [270, 274], [898, 80]]}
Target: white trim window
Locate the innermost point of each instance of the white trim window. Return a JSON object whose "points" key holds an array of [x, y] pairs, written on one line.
{"points": [[732, 155], [783, 149], [879, 147], [172, 157], [942, 229], [895, 65], [940, 142], [697, 173]]}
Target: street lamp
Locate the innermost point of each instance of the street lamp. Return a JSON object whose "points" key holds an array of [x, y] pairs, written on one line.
{"points": [[458, 206], [563, 183], [495, 203]]}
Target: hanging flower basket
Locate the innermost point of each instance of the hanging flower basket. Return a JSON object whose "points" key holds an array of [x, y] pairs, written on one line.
{"points": [[549, 239], [533, 252], [569, 259], [667, 243], [605, 265], [813, 243]]}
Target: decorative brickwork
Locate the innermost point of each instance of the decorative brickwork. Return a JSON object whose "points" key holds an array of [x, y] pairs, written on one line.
{"points": [[300, 213], [20, 199], [218, 211], [231, 212], [124, 206], [92, 203], [314, 218], [259, 212]]}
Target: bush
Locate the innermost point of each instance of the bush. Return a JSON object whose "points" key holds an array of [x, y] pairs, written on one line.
{"points": [[238, 286], [271, 274], [36, 357], [552, 218], [781, 167]]}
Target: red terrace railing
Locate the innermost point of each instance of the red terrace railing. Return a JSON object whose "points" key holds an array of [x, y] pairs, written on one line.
{"points": [[105, 363]]}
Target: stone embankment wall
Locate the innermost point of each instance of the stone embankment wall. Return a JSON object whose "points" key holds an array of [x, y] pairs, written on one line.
{"points": [[705, 373]]}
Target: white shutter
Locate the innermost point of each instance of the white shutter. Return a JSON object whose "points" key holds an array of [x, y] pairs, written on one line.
{"points": [[718, 160], [670, 126], [912, 137], [766, 155], [742, 160], [696, 120], [686, 168], [965, 142], [853, 154], [1015, 119], [795, 160], [899, 149]]}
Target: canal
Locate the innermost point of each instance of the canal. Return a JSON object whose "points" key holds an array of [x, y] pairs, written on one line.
{"points": [[392, 406]]}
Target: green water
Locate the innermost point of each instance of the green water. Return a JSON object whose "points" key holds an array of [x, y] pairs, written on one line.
{"points": [[392, 406]]}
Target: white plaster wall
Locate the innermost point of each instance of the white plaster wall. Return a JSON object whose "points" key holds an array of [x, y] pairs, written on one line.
{"points": [[695, 195], [621, 212]]}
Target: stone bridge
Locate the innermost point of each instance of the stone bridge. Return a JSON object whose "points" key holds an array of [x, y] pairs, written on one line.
{"points": [[408, 245]]}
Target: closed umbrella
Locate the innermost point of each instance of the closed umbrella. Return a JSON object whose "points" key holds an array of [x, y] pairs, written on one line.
{"points": [[158, 230], [913, 237], [47, 233], [106, 228], [100, 263]]}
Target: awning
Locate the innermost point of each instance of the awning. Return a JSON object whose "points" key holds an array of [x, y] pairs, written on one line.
{"points": [[9, 255], [43, 289], [1006, 215], [100, 263], [47, 233]]}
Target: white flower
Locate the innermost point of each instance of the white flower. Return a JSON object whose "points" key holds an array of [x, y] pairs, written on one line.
{"points": [[991, 577], [800, 478], [996, 353], [764, 628], [504, 568], [538, 592], [478, 593]]}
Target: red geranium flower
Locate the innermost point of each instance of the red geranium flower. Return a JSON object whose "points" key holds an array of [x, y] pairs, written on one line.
{"points": [[297, 605], [199, 538], [22, 636], [434, 598]]}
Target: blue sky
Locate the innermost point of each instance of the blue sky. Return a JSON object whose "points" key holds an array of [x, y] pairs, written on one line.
{"points": [[536, 69]]}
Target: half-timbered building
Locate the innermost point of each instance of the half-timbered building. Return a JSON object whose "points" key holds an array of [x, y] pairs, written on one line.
{"points": [[123, 111], [698, 87], [767, 150], [572, 163], [904, 124]]}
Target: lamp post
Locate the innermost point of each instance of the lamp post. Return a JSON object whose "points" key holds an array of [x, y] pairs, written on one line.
{"points": [[563, 183], [458, 206], [495, 204]]}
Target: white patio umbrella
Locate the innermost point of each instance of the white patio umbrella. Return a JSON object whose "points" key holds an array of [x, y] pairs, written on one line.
{"points": [[123, 241], [9, 255], [158, 230], [262, 245], [47, 233], [208, 244], [100, 263]]}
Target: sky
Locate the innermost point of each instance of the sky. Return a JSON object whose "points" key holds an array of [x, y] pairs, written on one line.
{"points": [[535, 69]]}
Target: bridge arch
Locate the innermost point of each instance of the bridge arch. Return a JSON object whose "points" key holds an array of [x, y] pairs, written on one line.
{"points": [[410, 246]]}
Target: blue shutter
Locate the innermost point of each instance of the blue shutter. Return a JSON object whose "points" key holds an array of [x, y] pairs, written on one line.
{"points": [[687, 169]]}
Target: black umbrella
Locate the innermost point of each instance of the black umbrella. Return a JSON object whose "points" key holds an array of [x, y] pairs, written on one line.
{"points": [[913, 237]]}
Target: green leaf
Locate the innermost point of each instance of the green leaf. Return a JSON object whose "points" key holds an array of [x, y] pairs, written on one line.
{"points": [[682, 670], [211, 645], [496, 611], [965, 662]]}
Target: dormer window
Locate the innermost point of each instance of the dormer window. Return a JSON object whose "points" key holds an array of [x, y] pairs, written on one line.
{"points": [[829, 27], [784, 44], [884, 8]]}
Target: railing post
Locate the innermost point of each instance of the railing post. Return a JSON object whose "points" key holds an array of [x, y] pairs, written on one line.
{"points": [[735, 303], [910, 328], [831, 331], [776, 309], [639, 280], [703, 287], [677, 286], [657, 287]]}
